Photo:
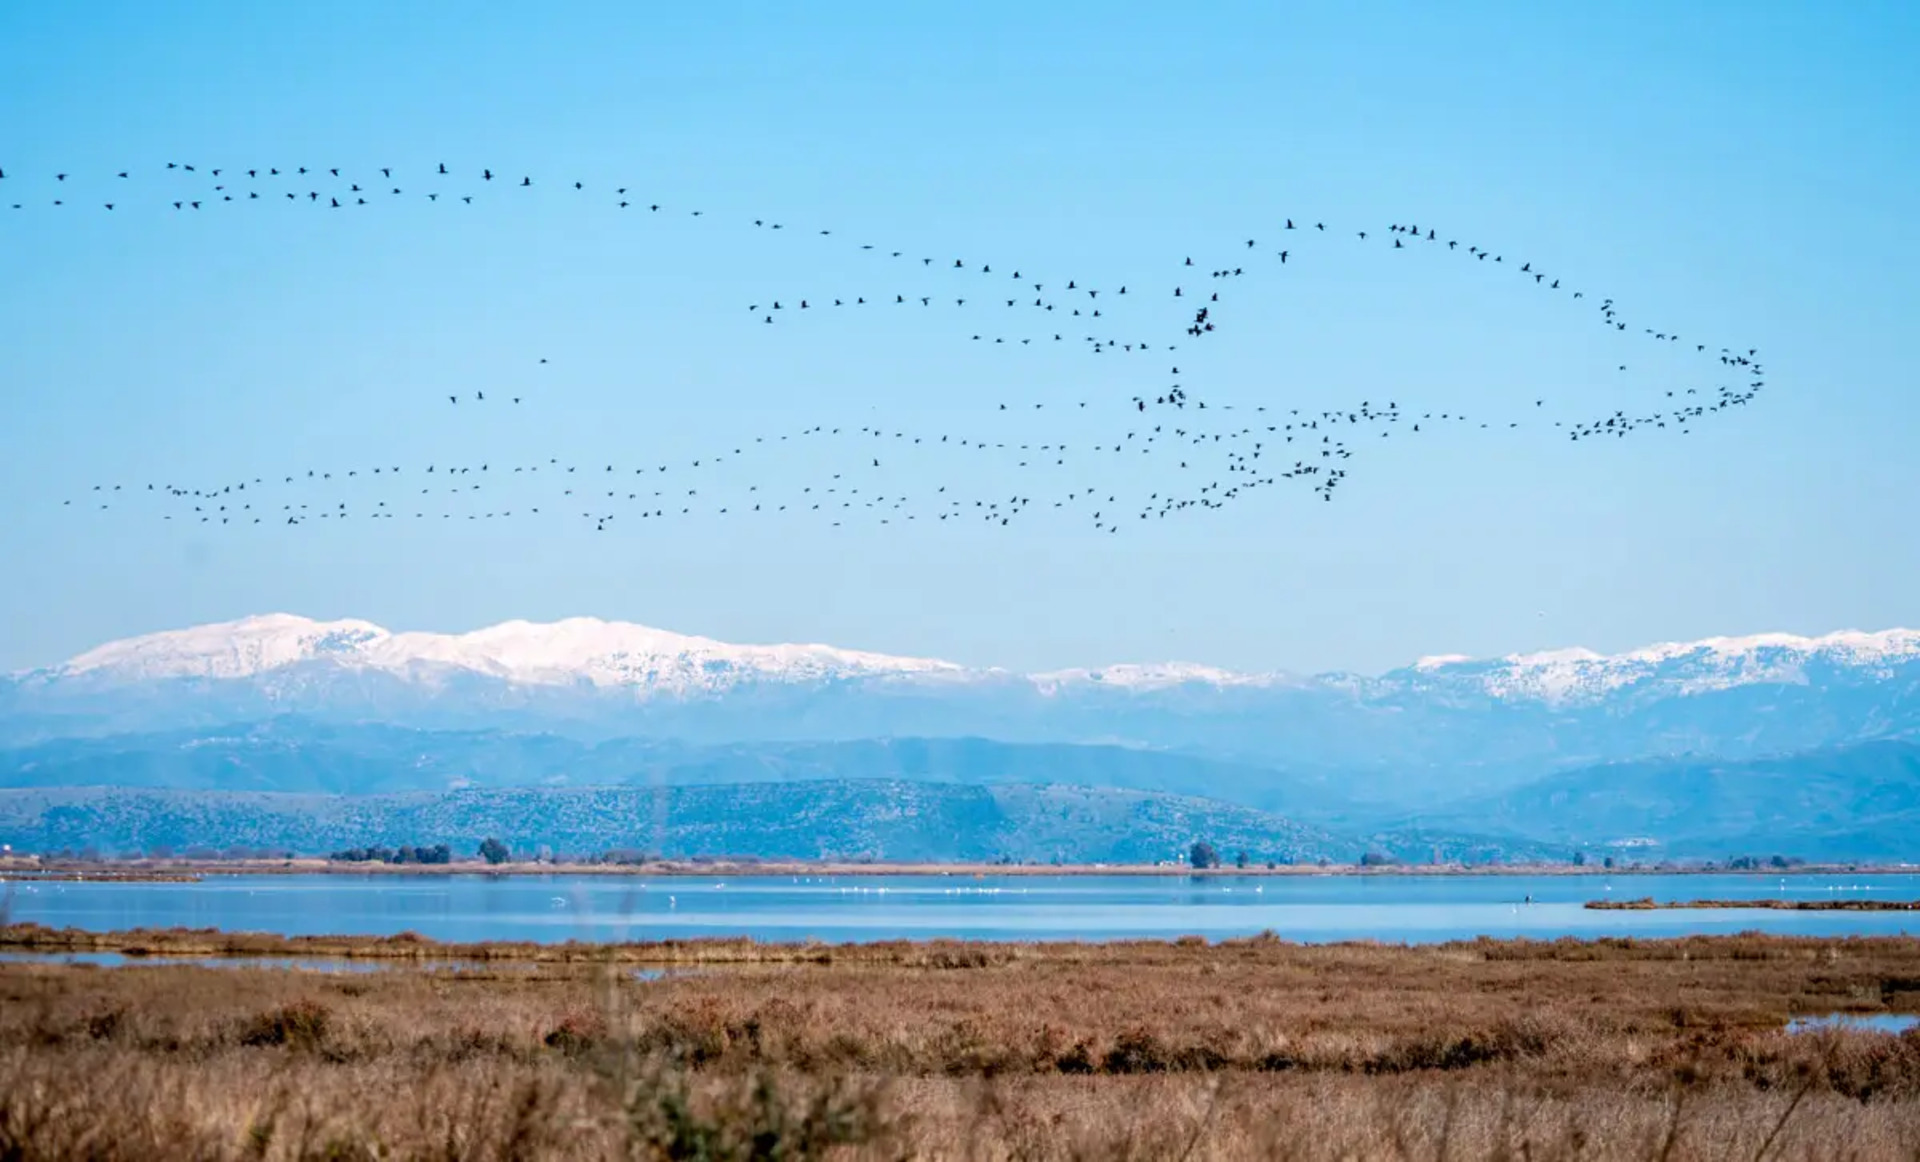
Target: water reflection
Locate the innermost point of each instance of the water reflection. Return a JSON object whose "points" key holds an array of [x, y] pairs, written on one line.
{"points": [[1311, 908]]}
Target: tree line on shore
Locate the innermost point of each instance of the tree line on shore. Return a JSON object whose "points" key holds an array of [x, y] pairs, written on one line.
{"points": [[1202, 855], [405, 853]]}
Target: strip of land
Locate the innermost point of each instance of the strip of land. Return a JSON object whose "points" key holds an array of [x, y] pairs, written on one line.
{"points": [[1649, 904], [161, 869], [1252, 1048], [106, 875]]}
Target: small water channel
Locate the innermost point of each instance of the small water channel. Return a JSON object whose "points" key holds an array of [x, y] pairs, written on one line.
{"points": [[1857, 1022]]}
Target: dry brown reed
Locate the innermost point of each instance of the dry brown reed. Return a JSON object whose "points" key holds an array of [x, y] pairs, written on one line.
{"points": [[1244, 1049], [1649, 904]]}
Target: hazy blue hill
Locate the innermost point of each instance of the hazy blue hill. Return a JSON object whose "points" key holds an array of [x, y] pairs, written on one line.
{"points": [[302, 755], [1860, 801], [880, 819], [1856, 801], [297, 754]]}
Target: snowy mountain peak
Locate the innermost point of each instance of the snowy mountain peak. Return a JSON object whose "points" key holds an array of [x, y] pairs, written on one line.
{"points": [[1715, 663], [1854, 645], [1161, 676], [224, 650], [588, 652], [572, 651]]}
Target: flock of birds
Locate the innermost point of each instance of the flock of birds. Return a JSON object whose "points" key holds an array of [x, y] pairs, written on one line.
{"points": [[1215, 452]]}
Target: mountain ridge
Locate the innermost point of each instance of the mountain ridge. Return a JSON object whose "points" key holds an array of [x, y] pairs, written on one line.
{"points": [[1418, 736], [1857, 801], [651, 662], [293, 755], [879, 819], [580, 649]]}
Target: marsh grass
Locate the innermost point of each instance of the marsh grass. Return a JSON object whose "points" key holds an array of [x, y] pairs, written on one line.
{"points": [[1244, 1049], [1767, 903]]}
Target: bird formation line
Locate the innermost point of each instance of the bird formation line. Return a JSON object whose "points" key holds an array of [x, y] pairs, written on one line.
{"points": [[1214, 452]]}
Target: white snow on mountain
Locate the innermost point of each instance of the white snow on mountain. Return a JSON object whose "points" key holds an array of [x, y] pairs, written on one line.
{"points": [[1574, 675], [611, 653], [1160, 676], [576, 650], [588, 651], [224, 650], [1852, 645]]}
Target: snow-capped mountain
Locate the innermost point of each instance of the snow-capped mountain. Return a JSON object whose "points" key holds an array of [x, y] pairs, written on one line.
{"points": [[648, 662], [1157, 676], [1806, 744], [1580, 676], [1440, 722], [575, 651]]}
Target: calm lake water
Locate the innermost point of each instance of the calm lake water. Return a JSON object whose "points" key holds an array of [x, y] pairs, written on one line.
{"points": [[856, 908]]}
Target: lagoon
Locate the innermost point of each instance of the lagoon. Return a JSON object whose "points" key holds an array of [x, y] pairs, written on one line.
{"points": [[867, 907]]}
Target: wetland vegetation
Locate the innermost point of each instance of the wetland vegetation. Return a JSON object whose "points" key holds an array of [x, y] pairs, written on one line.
{"points": [[1236, 1049]]}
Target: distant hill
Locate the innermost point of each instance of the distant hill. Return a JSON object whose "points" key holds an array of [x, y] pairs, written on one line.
{"points": [[301, 755], [1860, 801], [1848, 802], [815, 819]]}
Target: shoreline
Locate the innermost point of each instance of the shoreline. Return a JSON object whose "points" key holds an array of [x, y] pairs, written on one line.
{"points": [[1649, 904], [23, 869], [27, 937]]}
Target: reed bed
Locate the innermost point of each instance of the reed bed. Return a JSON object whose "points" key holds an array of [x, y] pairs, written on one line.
{"points": [[1649, 904], [1241, 1049]]}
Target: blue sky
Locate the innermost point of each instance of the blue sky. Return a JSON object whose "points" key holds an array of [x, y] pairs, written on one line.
{"points": [[1746, 173]]}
